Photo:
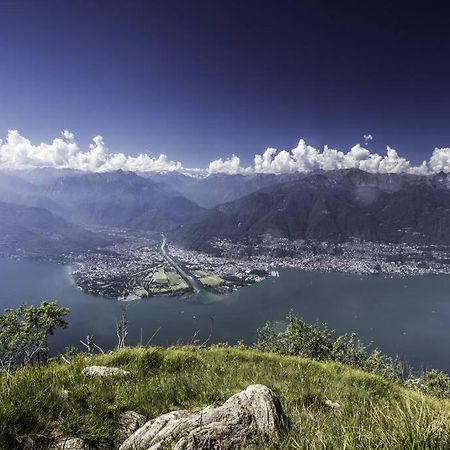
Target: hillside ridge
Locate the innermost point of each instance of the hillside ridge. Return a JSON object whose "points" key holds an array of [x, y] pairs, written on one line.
{"points": [[373, 411]]}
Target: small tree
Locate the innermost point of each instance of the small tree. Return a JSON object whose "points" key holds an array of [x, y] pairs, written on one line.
{"points": [[24, 333], [17, 344], [45, 318], [297, 338]]}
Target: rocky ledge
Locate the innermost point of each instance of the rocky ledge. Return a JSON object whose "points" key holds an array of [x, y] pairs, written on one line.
{"points": [[250, 415]]}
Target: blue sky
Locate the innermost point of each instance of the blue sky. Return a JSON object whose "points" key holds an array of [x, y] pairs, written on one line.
{"points": [[203, 79]]}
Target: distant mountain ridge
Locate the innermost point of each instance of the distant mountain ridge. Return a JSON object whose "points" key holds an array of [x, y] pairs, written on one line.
{"points": [[219, 188], [326, 205], [334, 206], [37, 232], [121, 199], [44, 213]]}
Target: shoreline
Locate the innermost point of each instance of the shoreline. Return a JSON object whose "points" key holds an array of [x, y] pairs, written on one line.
{"points": [[190, 294], [138, 268]]}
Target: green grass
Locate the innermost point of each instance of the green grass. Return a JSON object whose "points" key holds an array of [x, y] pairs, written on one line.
{"points": [[211, 281], [375, 413]]}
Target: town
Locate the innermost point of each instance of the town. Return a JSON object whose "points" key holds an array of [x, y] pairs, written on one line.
{"points": [[138, 268], [353, 256]]}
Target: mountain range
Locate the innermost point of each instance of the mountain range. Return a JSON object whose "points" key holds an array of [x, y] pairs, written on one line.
{"points": [[333, 206], [327, 205], [119, 199], [36, 232], [217, 188]]}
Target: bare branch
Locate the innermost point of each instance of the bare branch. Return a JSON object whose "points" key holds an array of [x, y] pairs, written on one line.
{"points": [[153, 335]]}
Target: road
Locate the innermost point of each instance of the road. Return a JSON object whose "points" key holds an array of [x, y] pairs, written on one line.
{"points": [[188, 278]]}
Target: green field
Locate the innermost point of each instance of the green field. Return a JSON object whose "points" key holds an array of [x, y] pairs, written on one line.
{"points": [[209, 280], [167, 281]]}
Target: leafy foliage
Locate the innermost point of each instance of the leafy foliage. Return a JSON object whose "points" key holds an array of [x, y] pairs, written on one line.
{"points": [[318, 342], [24, 333], [432, 382]]}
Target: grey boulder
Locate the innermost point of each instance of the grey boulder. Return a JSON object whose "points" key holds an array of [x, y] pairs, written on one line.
{"points": [[103, 371], [68, 443], [254, 413], [128, 423]]}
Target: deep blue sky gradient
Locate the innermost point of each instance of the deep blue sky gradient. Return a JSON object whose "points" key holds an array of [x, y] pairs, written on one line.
{"points": [[202, 79]]}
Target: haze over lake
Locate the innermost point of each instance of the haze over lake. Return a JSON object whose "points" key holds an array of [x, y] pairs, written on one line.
{"points": [[405, 316]]}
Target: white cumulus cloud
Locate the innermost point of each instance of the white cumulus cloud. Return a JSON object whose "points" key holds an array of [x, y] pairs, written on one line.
{"points": [[17, 152], [440, 160], [305, 158], [231, 166]]}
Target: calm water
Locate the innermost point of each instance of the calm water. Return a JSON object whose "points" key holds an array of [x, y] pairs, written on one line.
{"points": [[409, 317]]}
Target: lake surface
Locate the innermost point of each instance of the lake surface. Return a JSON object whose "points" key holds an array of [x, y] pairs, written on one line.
{"points": [[405, 316]]}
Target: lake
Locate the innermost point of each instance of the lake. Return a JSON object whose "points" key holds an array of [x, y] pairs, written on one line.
{"points": [[405, 316]]}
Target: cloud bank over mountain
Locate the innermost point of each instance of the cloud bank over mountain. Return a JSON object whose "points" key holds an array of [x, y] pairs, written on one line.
{"points": [[305, 158], [17, 152]]}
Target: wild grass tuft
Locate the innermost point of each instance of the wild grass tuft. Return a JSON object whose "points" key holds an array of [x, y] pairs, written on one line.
{"points": [[375, 413]]}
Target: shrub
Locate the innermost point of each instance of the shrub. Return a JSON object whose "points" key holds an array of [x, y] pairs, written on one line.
{"points": [[318, 342], [299, 338], [432, 382]]}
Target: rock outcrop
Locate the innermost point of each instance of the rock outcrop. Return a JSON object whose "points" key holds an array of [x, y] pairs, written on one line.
{"points": [[103, 371], [254, 413], [129, 422], [68, 443]]}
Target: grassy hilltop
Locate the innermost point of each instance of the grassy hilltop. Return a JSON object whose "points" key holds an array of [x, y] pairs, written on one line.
{"points": [[375, 412]]}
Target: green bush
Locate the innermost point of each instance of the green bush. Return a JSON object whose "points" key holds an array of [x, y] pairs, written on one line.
{"points": [[432, 382], [437, 383], [318, 342], [299, 338]]}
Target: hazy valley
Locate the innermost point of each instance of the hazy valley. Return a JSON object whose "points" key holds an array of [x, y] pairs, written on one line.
{"points": [[110, 226]]}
